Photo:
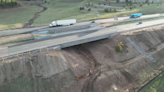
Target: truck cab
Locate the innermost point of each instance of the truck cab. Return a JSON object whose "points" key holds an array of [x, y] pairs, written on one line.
{"points": [[136, 15], [53, 24]]}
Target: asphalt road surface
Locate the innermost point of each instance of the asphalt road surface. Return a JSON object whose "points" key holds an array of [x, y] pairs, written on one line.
{"points": [[127, 18], [81, 36], [20, 31]]}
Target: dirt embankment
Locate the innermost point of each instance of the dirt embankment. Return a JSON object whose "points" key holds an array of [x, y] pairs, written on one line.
{"points": [[96, 65]]}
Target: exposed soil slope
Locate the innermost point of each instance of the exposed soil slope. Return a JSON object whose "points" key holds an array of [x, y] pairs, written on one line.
{"points": [[90, 67]]}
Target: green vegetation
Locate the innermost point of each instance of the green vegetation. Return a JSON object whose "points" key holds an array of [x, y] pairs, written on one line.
{"points": [[16, 17], [157, 85], [106, 10], [70, 9], [119, 47], [7, 3], [133, 21]]}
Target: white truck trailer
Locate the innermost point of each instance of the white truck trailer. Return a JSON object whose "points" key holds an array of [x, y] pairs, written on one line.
{"points": [[63, 22]]}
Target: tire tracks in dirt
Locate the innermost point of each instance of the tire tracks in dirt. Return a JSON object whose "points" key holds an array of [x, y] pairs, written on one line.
{"points": [[91, 59]]}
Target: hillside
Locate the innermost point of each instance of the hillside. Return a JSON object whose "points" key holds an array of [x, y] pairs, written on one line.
{"points": [[90, 67]]}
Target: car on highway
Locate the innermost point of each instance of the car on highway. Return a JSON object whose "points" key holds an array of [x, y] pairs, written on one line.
{"points": [[140, 22]]}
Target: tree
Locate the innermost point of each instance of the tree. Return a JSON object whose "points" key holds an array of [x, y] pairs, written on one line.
{"points": [[130, 7], [127, 1], [152, 2], [141, 4], [146, 1], [115, 10], [110, 9], [81, 8], [89, 9], [106, 10], [118, 1]]}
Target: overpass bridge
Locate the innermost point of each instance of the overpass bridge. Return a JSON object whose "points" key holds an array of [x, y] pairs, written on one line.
{"points": [[75, 39]]}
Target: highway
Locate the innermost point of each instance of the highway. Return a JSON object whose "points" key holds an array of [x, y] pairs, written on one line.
{"points": [[70, 40], [24, 30], [127, 18]]}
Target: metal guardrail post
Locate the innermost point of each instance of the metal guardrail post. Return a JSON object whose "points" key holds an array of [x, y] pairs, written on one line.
{"points": [[18, 55], [40, 50], [3, 59], [47, 49], [30, 53]]}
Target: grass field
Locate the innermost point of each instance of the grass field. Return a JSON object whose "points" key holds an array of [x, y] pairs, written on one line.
{"points": [[64, 9], [16, 17], [58, 10], [156, 85]]}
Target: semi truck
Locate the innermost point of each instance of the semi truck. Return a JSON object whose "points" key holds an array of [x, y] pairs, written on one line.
{"points": [[136, 15], [62, 22]]}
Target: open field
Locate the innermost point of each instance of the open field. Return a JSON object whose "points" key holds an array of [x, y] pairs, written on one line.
{"points": [[16, 17], [58, 10], [66, 9], [155, 85]]}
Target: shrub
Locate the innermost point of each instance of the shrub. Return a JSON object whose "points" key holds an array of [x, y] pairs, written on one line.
{"points": [[148, 3], [123, 5], [99, 3], [141, 4], [89, 9], [119, 48], [158, 4], [109, 3], [130, 7], [134, 6], [45, 1], [115, 10], [127, 4], [106, 10], [81, 8], [110, 10], [104, 3], [130, 3], [152, 2], [118, 1]]}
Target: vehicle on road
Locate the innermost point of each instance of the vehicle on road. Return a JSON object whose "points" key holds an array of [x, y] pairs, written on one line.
{"points": [[136, 15], [62, 22], [140, 22]]}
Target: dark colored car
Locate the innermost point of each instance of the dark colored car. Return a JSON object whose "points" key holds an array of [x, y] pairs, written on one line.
{"points": [[140, 22]]}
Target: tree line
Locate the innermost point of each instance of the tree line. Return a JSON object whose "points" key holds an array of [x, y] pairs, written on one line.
{"points": [[8, 3]]}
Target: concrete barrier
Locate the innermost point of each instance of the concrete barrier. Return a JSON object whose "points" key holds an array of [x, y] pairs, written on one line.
{"points": [[3, 51], [69, 33]]}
